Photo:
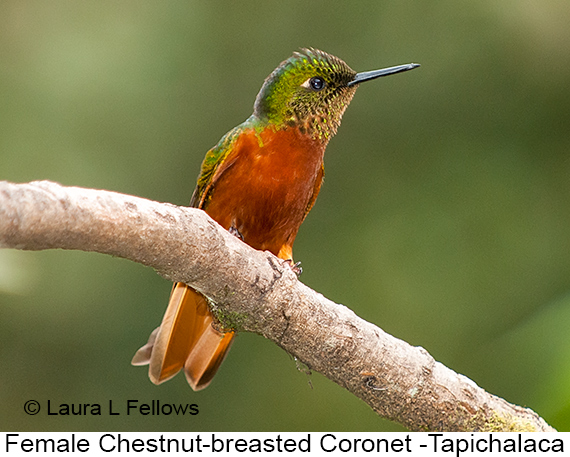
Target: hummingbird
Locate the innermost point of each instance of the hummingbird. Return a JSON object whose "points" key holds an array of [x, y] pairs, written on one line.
{"points": [[259, 183]]}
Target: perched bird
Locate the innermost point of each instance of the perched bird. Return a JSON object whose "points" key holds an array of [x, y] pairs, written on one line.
{"points": [[259, 182]]}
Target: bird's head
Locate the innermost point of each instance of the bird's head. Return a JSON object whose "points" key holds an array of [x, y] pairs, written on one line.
{"points": [[311, 90]]}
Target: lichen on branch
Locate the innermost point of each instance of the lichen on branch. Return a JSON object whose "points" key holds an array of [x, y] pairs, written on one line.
{"points": [[399, 381]]}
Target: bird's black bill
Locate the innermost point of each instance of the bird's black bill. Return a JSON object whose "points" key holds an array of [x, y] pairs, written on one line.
{"points": [[370, 75]]}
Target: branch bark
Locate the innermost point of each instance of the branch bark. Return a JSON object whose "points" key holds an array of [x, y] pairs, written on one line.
{"points": [[254, 291]]}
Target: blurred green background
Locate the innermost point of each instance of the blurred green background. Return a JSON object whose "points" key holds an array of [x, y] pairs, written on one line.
{"points": [[444, 218]]}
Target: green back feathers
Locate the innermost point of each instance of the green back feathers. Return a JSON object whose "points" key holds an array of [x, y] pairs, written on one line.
{"points": [[214, 158]]}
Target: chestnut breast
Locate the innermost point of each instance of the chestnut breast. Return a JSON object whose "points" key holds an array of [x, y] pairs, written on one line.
{"points": [[264, 188]]}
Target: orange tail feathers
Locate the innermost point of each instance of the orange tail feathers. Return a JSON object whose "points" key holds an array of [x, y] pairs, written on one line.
{"points": [[185, 339]]}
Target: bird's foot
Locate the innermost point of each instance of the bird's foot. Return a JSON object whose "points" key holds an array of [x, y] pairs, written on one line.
{"points": [[295, 267], [235, 232]]}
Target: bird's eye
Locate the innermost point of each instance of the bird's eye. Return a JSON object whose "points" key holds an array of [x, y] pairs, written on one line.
{"points": [[317, 83]]}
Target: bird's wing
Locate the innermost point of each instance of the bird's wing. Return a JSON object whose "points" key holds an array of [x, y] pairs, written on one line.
{"points": [[216, 161], [316, 189]]}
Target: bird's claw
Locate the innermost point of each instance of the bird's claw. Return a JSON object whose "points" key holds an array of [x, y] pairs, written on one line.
{"points": [[235, 232], [295, 267]]}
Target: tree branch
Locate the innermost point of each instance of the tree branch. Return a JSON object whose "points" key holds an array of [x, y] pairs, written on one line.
{"points": [[254, 291]]}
